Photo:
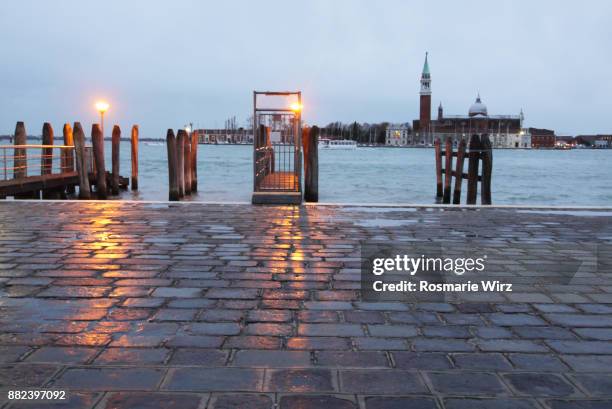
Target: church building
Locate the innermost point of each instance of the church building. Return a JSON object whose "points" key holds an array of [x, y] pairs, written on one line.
{"points": [[504, 131]]}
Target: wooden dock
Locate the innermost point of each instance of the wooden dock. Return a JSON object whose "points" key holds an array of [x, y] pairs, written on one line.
{"points": [[62, 181], [56, 170], [30, 184]]}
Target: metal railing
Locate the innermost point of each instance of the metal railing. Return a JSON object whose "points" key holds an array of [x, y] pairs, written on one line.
{"points": [[277, 150], [22, 161]]}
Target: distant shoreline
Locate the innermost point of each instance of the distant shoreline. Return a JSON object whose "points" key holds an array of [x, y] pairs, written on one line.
{"points": [[38, 137]]}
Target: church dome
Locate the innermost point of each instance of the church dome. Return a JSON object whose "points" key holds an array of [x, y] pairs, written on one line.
{"points": [[478, 108]]}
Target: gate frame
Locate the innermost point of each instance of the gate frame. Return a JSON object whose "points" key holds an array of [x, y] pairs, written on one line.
{"points": [[280, 196]]}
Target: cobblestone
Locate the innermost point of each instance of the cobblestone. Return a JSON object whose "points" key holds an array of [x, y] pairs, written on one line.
{"points": [[540, 384], [221, 306]]}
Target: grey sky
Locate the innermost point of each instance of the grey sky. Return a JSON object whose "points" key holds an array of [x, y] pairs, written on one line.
{"points": [[162, 64]]}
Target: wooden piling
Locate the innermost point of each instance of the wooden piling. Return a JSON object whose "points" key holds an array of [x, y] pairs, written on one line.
{"points": [[66, 162], [448, 170], [194, 162], [438, 150], [172, 166], [20, 162], [98, 150], [473, 163], [188, 167], [305, 151], [180, 153], [115, 144], [135, 132], [67, 156], [310, 141], [459, 172], [486, 156], [82, 170], [46, 158]]}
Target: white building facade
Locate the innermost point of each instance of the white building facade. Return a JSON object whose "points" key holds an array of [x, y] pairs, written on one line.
{"points": [[398, 135]]}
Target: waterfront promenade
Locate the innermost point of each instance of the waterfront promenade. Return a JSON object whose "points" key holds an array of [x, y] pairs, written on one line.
{"points": [[191, 305]]}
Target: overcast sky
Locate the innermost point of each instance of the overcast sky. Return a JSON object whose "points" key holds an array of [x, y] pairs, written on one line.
{"points": [[164, 63]]}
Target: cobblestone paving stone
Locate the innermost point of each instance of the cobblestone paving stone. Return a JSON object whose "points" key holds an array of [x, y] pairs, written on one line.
{"points": [[236, 306]]}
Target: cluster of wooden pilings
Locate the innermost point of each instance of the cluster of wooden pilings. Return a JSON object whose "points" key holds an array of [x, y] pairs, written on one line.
{"points": [[182, 163], [80, 165], [480, 151]]}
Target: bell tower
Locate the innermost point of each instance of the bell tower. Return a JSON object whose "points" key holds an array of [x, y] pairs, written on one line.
{"points": [[425, 107]]}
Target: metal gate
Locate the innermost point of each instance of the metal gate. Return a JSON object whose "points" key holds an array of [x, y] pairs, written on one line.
{"points": [[277, 163]]}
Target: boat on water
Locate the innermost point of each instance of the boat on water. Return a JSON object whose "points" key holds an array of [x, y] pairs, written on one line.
{"points": [[337, 144]]}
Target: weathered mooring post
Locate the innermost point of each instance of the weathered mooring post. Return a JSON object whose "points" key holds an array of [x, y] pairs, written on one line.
{"points": [[473, 163], [448, 170], [487, 169], [180, 155], [438, 151], [135, 157], [194, 161], [20, 161], [67, 156], [310, 142], [115, 145], [186, 161], [46, 158], [82, 170], [98, 149], [172, 166], [459, 172]]}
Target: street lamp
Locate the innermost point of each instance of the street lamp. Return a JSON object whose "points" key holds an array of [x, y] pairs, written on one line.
{"points": [[296, 107], [102, 107]]}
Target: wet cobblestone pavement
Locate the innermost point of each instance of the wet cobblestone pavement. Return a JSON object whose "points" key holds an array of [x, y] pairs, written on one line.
{"points": [[135, 305]]}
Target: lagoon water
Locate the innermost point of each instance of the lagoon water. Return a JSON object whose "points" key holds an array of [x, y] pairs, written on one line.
{"points": [[389, 175]]}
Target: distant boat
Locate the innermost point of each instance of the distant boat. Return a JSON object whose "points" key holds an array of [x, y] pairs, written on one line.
{"points": [[337, 144]]}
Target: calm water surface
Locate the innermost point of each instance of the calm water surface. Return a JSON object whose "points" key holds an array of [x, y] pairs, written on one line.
{"points": [[387, 175]]}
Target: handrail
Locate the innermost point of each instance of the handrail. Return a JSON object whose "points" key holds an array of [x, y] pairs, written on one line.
{"points": [[34, 146]]}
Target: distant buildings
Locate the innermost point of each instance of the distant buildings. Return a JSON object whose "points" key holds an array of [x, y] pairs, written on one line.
{"points": [[594, 141], [505, 131], [542, 138], [546, 139], [223, 136], [398, 135]]}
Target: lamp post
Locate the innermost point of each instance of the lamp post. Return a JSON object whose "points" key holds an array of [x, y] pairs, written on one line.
{"points": [[102, 107]]}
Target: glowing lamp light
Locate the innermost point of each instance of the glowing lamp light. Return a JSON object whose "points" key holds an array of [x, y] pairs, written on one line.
{"points": [[296, 107], [102, 106]]}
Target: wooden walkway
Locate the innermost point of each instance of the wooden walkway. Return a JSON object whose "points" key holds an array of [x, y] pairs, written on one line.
{"points": [[64, 180], [279, 181], [12, 187], [278, 188]]}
